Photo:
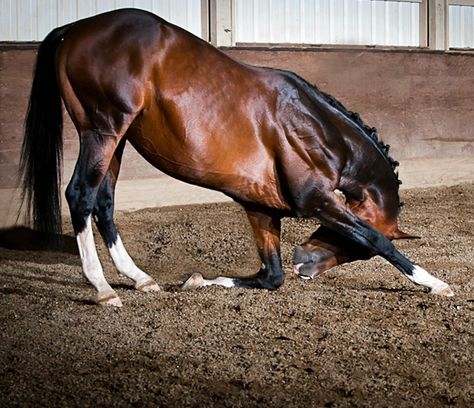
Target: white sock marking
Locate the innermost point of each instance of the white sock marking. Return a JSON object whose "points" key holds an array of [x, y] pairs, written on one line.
{"points": [[91, 266], [421, 277], [197, 281], [125, 265], [220, 281]]}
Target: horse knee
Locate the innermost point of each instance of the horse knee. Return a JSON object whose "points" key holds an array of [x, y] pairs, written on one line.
{"points": [[277, 281], [272, 281]]}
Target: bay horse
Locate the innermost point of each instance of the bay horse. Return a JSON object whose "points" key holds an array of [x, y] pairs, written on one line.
{"points": [[264, 137]]}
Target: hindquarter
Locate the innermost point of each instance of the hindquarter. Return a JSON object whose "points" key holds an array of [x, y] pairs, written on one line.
{"points": [[103, 69]]}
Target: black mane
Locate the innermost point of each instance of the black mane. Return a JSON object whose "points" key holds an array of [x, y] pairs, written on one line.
{"points": [[370, 132]]}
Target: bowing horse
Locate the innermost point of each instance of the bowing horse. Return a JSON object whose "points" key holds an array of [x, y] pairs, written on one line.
{"points": [[265, 137]]}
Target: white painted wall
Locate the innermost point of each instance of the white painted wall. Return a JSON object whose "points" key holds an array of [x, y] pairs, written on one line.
{"points": [[365, 22], [461, 26], [31, 20], [359, 22]]}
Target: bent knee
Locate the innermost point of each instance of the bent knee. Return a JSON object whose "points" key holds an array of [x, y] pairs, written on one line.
{"points": [[273, 282]]}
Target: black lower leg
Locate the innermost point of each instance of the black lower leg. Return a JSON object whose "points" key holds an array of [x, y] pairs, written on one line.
{"points": [[104, 212], [89, 173], [352, 227], [266, 228], [104, 205], [269, 277], [381, 245], [80, 196]]}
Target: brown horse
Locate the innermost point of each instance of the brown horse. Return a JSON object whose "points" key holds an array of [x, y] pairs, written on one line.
{"points": [[265, 137]]}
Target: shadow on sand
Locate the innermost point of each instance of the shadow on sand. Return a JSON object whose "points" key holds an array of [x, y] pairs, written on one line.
{"points": [[26, 239]]}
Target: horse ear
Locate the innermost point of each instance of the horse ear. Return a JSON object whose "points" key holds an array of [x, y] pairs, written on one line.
{"points": [[404, 235]]}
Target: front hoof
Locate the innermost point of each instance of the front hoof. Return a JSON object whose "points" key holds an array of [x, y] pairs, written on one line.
{"points": [[108, 299], [148, 286], [195, 281], [443, 291]]}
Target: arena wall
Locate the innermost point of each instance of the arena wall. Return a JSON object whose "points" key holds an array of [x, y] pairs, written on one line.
{"points": [[420, 101]]}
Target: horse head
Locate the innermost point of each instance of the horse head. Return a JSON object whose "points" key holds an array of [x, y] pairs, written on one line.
{"points": [[326, 248]]}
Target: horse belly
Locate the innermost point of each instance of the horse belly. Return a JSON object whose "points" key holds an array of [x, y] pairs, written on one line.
{"points": [[238, 167]]}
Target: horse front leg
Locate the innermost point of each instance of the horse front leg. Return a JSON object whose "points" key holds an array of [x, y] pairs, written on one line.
{"points": [[334, 215], [266, 227]]}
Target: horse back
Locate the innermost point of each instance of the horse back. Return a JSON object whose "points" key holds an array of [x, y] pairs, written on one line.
{"points": [[259, 135], [198, 115]]}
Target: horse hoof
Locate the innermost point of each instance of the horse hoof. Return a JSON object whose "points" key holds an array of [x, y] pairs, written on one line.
{"points": [[195, 281], [443, 291], [108, 299], [148, 286]]}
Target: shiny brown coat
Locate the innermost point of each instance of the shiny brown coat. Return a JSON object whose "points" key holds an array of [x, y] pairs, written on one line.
{"points": [[265, 137]]}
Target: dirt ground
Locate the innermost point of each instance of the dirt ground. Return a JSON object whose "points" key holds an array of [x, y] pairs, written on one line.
{"points": [[360, 335]]}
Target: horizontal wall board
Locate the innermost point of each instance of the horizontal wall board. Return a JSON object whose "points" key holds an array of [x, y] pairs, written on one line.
{"points": [[32, 20]]}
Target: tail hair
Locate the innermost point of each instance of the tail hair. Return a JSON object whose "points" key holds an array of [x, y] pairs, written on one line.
{"points": [[41, 152]]}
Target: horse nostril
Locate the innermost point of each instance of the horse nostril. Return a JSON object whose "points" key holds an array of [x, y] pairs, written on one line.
{"points": [[301, 255], [297, 254]]}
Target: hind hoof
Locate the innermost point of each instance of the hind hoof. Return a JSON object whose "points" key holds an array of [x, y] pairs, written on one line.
{"points": [[443, 291], [108, 299], [148, 286], [195, 281]]}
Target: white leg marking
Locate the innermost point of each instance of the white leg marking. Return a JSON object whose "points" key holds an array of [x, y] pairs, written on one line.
{"points": [[93, 269], [197, 281], [125, 265], [437, 286]]}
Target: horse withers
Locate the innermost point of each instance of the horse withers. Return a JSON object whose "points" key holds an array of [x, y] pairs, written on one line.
{"points": [[265, 137]]}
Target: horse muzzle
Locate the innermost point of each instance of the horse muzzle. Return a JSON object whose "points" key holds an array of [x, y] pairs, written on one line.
{"points": [[305, 263]]}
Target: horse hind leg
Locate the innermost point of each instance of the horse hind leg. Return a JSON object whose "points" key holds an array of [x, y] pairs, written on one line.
{"points": [[92, 268], [337, 217], [95, 154], [103, 216]]}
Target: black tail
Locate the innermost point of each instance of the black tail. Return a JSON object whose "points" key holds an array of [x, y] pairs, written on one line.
{"points": [[41, 154]]}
